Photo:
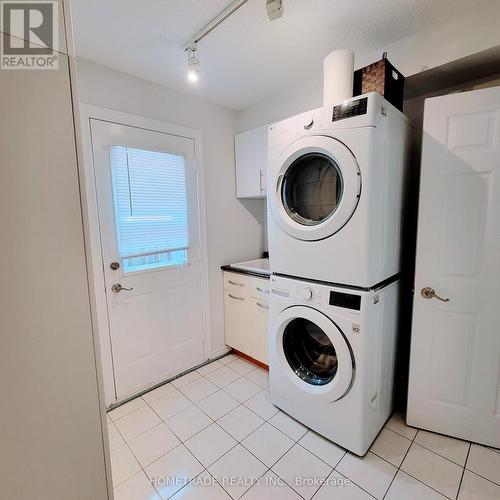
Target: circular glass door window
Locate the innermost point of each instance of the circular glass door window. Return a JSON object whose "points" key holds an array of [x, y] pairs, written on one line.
{"points": [[311, 189], [309, 352]]}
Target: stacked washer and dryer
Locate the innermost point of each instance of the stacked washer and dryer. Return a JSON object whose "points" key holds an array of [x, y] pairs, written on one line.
{"points": [[336, 182]]}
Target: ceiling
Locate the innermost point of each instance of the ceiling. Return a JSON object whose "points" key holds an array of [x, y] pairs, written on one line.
{"points": [[248, 58]]}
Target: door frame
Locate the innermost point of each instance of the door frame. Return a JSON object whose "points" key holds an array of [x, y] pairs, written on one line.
{"points": [[91, 221]]}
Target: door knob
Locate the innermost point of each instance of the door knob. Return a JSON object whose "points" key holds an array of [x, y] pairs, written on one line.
{"points": [[430, 293], [117, 288], [114, 265]]}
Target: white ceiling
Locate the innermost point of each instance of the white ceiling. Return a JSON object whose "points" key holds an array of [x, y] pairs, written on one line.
{"points": [[248, 58]]}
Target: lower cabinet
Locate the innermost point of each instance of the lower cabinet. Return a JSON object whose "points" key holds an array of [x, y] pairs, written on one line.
{"points": [[237, 310], [246, 314], [260, 316]]}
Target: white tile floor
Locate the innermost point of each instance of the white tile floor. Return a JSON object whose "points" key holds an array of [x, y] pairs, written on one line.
{"points": [[217, 433]]}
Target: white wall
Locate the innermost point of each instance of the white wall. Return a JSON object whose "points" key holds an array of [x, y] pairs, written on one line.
{"points": [[455, 39], [234, 227], [52, 445]]}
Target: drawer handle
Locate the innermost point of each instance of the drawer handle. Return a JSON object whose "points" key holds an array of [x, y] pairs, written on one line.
{"points": [[235, 283], [262, 305], [236, 298], [262, 290]]}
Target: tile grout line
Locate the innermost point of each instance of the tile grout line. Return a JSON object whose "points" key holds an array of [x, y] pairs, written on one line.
{"points": [[483, 477], [141, 468], [268, 469], [182, 442], [237, 441], [295, 442], [399, 468], [416, 478], [439, 454], [463, 471], [224, 454], [350, 480]]}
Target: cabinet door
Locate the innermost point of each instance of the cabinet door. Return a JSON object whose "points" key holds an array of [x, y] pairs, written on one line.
{"points": [[237, 311], [251, 159], [259, 334]]}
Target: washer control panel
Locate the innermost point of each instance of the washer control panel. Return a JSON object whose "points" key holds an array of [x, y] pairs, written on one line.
{"points": [[314, 294], [345, 300], [308, 293]]}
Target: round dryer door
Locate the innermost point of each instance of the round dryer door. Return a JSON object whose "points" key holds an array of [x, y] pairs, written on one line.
{"points": [[317, 188], [313, 353]]}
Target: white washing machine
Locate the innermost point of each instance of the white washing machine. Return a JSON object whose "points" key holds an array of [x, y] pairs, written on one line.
{"points": [[331, 357], [335, 188]]}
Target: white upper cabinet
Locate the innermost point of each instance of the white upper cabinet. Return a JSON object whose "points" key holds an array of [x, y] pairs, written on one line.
{"points": [[251, 163]]}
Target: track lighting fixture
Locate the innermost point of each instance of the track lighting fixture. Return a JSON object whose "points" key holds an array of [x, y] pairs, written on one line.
{"points": [[274, 11], [193, 64]]}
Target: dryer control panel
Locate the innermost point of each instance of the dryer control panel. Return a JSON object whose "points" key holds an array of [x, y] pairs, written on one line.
{"points": [[349, 109]]}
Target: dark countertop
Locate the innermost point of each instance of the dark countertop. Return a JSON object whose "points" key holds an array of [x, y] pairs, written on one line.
{"points": [[257, 267]]}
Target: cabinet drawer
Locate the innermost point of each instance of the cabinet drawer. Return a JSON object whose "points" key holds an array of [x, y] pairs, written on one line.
{"points": [[260, 289], [238, 321], [237, 283], [260, 338]]}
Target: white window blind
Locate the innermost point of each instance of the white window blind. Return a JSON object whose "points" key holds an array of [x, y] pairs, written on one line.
{"points": [[151, 209]]}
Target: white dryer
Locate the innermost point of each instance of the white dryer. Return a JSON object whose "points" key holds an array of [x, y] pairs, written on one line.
{"points": [[331, 357], [335, 190]]}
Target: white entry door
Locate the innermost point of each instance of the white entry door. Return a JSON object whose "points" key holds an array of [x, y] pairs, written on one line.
{"points": [[148, 217], [454, 383]]}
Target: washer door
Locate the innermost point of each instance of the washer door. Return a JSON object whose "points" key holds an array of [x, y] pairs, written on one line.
{"points": [[313, 353], [317, 188]]}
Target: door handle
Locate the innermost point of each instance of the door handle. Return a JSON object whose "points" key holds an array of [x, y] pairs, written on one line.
{"points": [[430, 293], [235, 283], [117, 288], [236, 298]]}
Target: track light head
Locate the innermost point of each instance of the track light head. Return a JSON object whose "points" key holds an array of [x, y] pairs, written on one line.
{"points": [[193, 64], [275, 9]]}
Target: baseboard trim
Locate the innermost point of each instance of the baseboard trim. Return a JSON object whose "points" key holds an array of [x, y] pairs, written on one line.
{"points": [[252, 360]]}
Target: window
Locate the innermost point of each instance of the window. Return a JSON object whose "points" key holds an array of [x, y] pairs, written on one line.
{"points": [[151, 209]]}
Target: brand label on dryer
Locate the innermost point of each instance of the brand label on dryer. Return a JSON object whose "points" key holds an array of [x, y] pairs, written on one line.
{"points": [[356, 328]]}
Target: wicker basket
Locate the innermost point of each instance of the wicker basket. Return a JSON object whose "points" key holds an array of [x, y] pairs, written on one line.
{"points": [[381, 77]]}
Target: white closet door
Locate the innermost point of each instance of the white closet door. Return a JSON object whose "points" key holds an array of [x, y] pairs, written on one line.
{"points": [[455, 350]]}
